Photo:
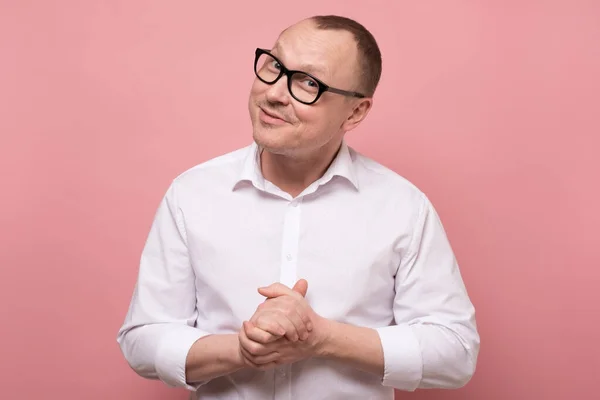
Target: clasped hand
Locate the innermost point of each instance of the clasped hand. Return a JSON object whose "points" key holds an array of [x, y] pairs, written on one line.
{"points": [[284, 329]]}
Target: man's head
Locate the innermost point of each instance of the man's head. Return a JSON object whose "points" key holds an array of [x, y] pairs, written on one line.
{"points": [[342, 63]]}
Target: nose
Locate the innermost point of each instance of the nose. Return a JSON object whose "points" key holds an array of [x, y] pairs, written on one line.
{"points": [[278, 92]]}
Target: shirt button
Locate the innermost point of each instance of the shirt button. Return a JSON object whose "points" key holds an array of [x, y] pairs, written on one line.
{"points": [[294, 204], [289, 257]]}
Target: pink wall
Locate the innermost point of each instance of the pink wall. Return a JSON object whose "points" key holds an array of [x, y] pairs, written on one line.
{"points": [[491, 108]]}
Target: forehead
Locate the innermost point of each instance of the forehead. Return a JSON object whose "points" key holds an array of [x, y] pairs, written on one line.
{"points": [[328, 54]]}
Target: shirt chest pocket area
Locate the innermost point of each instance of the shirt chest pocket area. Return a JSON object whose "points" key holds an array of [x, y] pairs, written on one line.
{"points": [[352, 285]]}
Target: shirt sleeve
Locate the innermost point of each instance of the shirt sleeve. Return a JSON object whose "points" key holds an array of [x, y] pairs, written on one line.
{"points": [[434, 342], [159, 328]]}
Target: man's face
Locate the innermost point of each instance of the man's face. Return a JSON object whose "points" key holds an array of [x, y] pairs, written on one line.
{"points": [[286, 126]]}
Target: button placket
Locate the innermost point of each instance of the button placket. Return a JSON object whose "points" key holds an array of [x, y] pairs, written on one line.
{"points": [[283, 383], [289, 244], [288, 276]]}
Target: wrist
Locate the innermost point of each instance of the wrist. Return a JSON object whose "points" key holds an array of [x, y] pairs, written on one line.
{"points": [[213, 356], [325, 339], [237, 358]]}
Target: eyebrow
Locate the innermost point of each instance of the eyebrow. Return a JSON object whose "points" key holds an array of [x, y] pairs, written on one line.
{"points": [[313, 69]]}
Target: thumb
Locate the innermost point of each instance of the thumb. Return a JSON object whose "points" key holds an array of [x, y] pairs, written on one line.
{"points": [[301, 287], [274, 290]]}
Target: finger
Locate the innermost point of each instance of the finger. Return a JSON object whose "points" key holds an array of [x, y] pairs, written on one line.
{"points": [[291, 331], [276, 290], [261, 367], [306, 319], [249, 360], [272, 357], [289, 319], [296, 311], [264, 334], [304, 312], [262, 362], [295, 317], [252, 347], [278, 316], [268, 322], [299, 313], [248, 357], [301, 287], [267, 305]]}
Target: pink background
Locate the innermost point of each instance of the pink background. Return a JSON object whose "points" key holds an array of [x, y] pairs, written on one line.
{"points": [[491, 108]]}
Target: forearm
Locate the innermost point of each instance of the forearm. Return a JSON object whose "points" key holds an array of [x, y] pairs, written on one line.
{"points": [[213, 356], [357, 346]]}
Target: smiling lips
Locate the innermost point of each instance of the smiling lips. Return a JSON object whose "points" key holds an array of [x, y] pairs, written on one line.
{"points": [[270, 117]]}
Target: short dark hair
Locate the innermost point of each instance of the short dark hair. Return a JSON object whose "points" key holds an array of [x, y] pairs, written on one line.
{"points": [[369, 54]]}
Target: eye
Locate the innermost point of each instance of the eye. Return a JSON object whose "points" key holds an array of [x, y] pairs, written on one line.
{"points": [[275, 65], [311, 83]]}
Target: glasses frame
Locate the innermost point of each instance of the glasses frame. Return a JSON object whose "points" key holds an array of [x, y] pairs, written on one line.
{"points": [[323, 87]]}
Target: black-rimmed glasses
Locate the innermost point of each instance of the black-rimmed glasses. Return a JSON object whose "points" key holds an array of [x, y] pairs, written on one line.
{"points": [[302, 86]]}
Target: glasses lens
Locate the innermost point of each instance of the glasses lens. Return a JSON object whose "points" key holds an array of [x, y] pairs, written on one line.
{"points": [[267, 68], [304, 88]]}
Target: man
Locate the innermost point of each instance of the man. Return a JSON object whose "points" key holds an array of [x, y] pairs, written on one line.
{"points": [[297, 268]]}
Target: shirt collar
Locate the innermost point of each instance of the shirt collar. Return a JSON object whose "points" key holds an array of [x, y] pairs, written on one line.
{"points": [[342, 166]]}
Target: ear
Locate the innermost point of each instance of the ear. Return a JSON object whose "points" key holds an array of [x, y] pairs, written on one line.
{"points": [[359, 113]]}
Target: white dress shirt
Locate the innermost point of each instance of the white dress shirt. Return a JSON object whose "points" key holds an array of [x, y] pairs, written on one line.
{"points": [[368, 242]]}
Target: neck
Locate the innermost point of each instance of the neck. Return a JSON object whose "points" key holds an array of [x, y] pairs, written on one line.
{"points": [[294, 174]]}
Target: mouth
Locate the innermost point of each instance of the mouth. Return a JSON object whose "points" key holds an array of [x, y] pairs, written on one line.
{"points": [[270, 117]]}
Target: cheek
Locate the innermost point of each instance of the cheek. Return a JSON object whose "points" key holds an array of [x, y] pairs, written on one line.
{"points": [[316, 121], [308, 115], [257, 88], [254, 96]]}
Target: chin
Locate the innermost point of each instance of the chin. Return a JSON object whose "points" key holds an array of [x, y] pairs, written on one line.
{"points": [[268, 138], [272, 139]]}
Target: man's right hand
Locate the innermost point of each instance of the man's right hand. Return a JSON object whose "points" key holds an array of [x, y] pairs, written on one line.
{"points": [[280, 316], [281, 330]]}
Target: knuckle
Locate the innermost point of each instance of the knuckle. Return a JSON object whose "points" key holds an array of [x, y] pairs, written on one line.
{"points": [[252, 335], [290, 300], [289, 312], [263, 305], [253, 349], [296, 296], [262, 320]]}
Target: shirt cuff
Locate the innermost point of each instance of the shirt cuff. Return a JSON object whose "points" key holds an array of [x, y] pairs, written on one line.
{"points": [[171, 355], [403, 363]]}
